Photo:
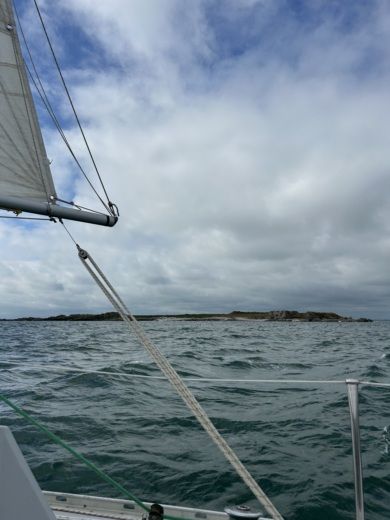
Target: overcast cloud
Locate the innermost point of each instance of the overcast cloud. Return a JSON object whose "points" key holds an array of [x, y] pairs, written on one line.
{"points": [[246, 144]]}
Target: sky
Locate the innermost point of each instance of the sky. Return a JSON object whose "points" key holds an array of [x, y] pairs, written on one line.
{"points": [[245, 142]]}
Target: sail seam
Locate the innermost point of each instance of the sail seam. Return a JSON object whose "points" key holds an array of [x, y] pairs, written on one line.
{"points": [[23, 164], [7, 64], [11, 94], [29, 171]]}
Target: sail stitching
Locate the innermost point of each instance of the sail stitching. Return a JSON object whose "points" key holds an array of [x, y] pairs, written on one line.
{"points": [[6, 95], [6, 64], [23, 164], [29, 172], [18, 179], [13, 94]]}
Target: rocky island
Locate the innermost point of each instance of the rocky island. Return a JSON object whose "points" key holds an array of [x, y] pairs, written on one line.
{"points": [[308, 316]]}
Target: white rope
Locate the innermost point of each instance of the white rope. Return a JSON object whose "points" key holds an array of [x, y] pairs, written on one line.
{"points": [[56, 368], [177, 383]]}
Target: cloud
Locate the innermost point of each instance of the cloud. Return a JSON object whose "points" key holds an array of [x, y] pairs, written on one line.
{"points": [[246, 148]]}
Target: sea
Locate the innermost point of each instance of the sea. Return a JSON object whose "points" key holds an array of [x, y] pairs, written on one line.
{"points": [[294, 438]]}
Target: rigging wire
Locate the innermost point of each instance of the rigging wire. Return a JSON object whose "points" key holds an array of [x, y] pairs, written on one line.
{"points": [[69, 233], [45, 100], [110, 204], [78, 206], [62, 133], [52, 219], [57, 368]]}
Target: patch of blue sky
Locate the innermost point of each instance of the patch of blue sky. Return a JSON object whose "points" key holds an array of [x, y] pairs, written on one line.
{"points": [[80, 50], [78, 55], [282, 31]]}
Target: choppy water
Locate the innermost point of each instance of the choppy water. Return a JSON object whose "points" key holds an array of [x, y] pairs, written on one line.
{"points": [[295, 440]]}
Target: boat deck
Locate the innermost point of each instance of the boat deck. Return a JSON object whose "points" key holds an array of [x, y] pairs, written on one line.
{"points": [[82, 507]]}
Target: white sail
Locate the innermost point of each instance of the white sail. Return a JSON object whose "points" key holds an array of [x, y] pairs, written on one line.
{"points": [[26, 183], [24, 168]]}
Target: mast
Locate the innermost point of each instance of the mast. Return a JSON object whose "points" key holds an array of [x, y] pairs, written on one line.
{"points": [[26, 182]]}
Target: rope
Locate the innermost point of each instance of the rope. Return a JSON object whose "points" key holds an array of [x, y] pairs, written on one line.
{"points": [[57, 440], [71, 450], [176, 382]]}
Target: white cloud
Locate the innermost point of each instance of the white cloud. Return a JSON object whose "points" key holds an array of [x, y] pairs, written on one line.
{"points": [[254, 180]]}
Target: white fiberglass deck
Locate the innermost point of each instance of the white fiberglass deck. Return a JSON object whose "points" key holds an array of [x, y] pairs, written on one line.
{"points": [[82, 507]]}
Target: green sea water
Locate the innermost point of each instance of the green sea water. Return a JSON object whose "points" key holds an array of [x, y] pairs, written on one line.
{"points": [[294, 439]]}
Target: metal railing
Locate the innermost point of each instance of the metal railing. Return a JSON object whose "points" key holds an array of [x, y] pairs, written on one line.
{"points": [[353, 401]]}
